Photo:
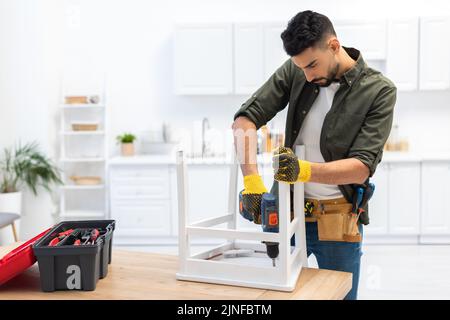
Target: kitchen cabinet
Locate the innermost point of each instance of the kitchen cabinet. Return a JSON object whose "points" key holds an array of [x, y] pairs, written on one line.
{"points": [[274, 54], [435, 218], [404, 198], [258, 53], [140, 202], [208, 191], [402, 53], [368, 36], [434, 72], [203, 59], [141, 218], [410, 51], [248, 60], [379, 204], [394, 209], [245, 55]]}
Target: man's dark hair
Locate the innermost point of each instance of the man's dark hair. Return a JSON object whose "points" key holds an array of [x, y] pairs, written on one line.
{"points": [[306, 29]]}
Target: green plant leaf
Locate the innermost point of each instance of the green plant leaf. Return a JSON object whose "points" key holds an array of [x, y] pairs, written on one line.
{"points": [[27, 166], [126, 138]]}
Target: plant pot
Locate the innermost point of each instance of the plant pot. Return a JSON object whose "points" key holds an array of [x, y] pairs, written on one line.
{"points": [[11, 202], [127, 149]]}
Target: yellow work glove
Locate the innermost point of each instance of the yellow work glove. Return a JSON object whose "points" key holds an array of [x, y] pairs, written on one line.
{"points": [[252, 195], [288, 168]]}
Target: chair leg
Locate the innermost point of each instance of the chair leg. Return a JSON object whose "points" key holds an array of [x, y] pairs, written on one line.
{"points": [[14, 232]]}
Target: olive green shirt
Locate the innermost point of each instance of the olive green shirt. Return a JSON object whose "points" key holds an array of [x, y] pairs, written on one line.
{"points": [[357, 125]]}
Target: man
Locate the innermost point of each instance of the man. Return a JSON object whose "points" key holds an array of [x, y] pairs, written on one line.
{"points": [[341, 111]]}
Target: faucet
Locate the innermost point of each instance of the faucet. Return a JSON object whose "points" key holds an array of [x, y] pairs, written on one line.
{"points": [[205, 123]]}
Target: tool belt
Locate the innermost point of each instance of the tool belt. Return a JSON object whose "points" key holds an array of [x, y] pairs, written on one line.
{"points": [[335, 220]]}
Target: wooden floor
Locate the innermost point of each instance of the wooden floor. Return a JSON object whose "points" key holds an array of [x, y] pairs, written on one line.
{"points": [[390, 271]]}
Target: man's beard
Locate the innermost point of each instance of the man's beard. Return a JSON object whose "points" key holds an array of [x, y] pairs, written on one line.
{"points": [[330, 77]]}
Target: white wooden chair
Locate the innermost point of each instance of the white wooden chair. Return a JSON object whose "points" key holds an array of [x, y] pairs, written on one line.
{"points": [[257, 270]]}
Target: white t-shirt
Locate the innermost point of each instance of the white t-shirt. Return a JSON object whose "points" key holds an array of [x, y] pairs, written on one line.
{"points": [[309, 136]]}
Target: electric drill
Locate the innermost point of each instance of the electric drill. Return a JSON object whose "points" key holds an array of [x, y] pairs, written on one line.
{"points": [[269, 220]]}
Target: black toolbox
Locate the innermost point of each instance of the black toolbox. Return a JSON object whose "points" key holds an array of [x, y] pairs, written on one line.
{"points": [[66, 266]]}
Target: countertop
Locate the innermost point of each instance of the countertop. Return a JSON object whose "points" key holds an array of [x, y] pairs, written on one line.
{"points": [[136, 275], [266, 159]]}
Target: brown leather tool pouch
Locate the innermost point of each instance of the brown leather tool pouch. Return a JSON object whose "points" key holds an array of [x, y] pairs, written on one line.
{"points": [[335, 221]]}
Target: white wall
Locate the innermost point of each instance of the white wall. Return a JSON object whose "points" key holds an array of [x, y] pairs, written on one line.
{"points": [[132, 41], [28, 64]]}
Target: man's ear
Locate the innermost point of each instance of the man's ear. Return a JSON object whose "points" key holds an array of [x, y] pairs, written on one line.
{"points": [[334, 45]]}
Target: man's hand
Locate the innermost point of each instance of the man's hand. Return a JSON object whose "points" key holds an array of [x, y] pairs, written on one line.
{"points": [[252, 195], [285, 165], [288, 168]]}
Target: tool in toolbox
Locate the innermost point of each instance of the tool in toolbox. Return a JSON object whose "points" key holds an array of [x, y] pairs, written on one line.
{"points": [[269, 221], [61, 236], [94, 235], [85, 237], [75, 237], [90, 236], [70, 238]]}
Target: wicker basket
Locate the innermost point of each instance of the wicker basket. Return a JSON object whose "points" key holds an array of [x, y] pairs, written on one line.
{"points": [[86, 180], [84, 126], [76, 99]]}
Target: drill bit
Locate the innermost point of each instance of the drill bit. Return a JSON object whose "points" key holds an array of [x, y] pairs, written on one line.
{"points": [[272, 251]]}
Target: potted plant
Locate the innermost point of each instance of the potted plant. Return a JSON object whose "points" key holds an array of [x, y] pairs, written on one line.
{"points": [[24, 167], [127, 143]]}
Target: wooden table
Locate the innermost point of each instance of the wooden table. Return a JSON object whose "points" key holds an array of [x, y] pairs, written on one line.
{"points": [[136, 275]]}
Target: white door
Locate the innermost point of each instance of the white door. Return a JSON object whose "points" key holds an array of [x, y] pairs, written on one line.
{"points": [[404, 198], [402, 62], [203, 59], [274, 54], [379, 204], [435, 193], [248, 57], [434, 71], [368, 36]]}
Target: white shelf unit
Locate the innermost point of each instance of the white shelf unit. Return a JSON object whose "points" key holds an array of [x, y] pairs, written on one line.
{"points": [[84, 153]]}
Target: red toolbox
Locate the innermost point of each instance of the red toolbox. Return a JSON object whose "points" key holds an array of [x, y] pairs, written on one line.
{"points": [[18, 260]]}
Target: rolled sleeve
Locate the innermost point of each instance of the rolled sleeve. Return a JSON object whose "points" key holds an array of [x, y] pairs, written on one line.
{"points": [[369, 143], [270, 98]]}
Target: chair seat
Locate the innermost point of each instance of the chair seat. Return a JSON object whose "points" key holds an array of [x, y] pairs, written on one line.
{"points": [[7, 218]]}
